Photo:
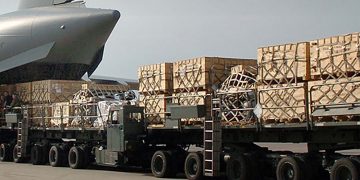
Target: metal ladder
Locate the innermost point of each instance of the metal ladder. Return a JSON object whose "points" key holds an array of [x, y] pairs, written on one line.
{"points": [[212, 142], [22, 134]]}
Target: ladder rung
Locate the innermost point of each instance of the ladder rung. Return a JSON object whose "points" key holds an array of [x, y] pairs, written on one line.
{"points": [[208, 160], [208, 150]]}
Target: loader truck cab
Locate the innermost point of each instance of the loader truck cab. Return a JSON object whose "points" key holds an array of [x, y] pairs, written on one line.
{"points": [[124, 141]]}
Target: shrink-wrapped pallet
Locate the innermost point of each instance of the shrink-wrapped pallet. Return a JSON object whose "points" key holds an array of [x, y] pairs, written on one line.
{"points": [[284, 64], [156, 78], [283, 103], [204, 73], [335, 57], [61, 114], [237, 97]]}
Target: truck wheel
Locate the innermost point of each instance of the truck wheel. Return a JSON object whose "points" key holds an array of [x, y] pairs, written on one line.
{"points": [[76, 158], [288, 168], [16, 158], [65, 151], [86, 155], [56, 156], [193, 166], [237, 168], [37, 155], [344, 169], [5, 152], [160, 164]]}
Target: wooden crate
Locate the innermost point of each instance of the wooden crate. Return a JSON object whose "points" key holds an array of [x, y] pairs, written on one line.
{"points": [[52, 91], [204, 73], [284, 64], [23, 90], [155, 107], [283, 103], [337, 93], [156, 78], [335, 57], [191, 99]]}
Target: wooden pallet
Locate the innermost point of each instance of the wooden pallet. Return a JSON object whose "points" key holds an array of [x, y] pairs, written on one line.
{"points": [[283, 103], [285, 63], [204, 73], [335, 57], [155, 78]]}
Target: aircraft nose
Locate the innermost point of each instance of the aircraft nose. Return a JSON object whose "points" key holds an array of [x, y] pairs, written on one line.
{"points": [[106, 15], [116, 14]]}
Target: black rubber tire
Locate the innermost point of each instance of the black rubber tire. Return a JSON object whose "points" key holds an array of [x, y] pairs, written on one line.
{"points": [[5, 152], [344, 167], [76, 158], [36, 155], [65, 150], [15, 155], [56, 156], [87, 159], [193, 166], [294, 173], [160, 164], [238, 168]]}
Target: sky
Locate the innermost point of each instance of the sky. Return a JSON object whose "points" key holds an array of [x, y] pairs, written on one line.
{"points": [[156, 31]]}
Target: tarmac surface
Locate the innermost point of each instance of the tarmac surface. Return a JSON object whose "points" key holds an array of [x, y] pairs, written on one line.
{"points": [[27, 171], [13, 171]]}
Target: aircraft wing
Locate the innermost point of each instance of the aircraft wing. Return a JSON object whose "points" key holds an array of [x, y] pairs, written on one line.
{"points": [[26, 4]]}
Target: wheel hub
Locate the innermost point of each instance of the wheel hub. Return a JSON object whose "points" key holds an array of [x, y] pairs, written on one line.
{"points": [[289, 173], [159, 165], [345, 174]]}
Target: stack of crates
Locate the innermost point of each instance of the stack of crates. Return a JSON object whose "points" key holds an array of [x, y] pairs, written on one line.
{"points": [[282, 82], [196, 79], [186, 82], [335, 80], [297, 79], [155, 87]]}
